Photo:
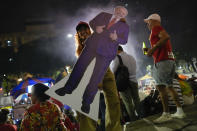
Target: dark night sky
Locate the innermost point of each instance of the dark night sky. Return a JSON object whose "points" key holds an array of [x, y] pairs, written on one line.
{"points": [[14, 13], [178, 17]]}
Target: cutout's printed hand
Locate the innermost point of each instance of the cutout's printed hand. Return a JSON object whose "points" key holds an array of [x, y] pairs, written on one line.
{"points": [[113, 36], [99, 29]]}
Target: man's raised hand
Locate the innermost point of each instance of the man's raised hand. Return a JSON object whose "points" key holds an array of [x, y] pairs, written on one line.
{"points": [[99, 29], [113, 36]]}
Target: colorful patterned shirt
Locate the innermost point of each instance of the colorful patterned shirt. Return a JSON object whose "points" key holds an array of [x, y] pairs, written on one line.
{"points": [[44, 116]]}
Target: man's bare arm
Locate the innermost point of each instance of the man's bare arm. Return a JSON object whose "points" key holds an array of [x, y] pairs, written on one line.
{"points": [[164, 37]]}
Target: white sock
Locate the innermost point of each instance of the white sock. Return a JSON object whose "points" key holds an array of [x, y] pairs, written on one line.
{"points": [[179, 110], [165, 113]]}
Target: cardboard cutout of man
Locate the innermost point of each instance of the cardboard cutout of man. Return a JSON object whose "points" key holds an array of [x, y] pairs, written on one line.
{"points": [[109, 32]]}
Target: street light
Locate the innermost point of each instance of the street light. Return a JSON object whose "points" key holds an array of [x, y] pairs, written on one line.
{"points": [[11, 59], [9, 43], [20, 79], [69, 35]]}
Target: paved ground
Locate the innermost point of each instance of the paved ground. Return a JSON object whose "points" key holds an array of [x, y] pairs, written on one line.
{"points": [[187, 124]]}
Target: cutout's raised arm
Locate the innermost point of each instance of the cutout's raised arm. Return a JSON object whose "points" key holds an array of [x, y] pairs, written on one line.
{"points": [[94, 22]]}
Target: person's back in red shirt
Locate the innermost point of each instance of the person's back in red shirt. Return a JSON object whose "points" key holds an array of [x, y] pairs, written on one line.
{"points": [[7, 127]]}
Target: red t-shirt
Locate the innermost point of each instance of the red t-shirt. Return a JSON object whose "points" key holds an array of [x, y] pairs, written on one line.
{"points": [[7, 127], [164, 52]]}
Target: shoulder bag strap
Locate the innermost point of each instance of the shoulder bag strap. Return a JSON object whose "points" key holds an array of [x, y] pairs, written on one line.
{"points": [[120, 60]]}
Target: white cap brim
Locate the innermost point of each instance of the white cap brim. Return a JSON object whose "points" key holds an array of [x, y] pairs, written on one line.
{"points": [[146, 20]]}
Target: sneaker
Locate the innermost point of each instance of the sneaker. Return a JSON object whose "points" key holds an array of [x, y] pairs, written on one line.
{"points": [[163, 118], [127, 123], [178, 115]]}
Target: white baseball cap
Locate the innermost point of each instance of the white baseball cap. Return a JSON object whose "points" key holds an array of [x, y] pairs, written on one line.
{"points": [[153, 17]]}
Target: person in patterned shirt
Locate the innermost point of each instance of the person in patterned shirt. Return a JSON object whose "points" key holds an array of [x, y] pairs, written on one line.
{"points": [[42, 115]]}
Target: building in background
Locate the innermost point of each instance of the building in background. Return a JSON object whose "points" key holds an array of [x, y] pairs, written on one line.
{"points": [[34, 30]]}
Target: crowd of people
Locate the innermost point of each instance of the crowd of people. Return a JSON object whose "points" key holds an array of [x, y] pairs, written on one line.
{"points": [[115, 99]]}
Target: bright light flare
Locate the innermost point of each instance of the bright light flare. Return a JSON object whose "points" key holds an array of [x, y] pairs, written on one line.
{"points": [[20, 79], [69, 35]]}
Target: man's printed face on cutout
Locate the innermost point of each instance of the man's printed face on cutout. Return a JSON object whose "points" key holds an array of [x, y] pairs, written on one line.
{"points": [[120, 12]]}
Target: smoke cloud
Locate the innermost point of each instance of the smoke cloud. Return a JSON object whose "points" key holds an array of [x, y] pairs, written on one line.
{"points": [[67, 23]]}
